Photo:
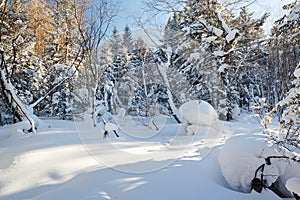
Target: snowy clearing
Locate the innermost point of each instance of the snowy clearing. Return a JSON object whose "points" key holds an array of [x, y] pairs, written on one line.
{"points": [[67, 160]]}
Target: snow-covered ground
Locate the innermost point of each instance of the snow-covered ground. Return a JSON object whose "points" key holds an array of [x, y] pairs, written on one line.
{"points": [[71, 160]]}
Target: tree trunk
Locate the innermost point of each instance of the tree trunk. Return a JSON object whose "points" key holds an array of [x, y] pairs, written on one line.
{"points": [[163, 72], [19, 108]]}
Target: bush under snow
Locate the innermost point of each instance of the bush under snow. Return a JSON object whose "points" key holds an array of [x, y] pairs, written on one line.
{"points": [[243, 155], [198, 113]]}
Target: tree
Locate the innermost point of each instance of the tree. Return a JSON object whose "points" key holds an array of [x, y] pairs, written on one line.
{"points": [[290, 122], [25, 73], [97, 20], [250, 59], [287, 108], [283, 54], [127, 40], [171, 32], [205, 52], [13, 44]]}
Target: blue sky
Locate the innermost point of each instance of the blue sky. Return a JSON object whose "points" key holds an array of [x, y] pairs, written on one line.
{"points": [[129, 10], [133, 8]]}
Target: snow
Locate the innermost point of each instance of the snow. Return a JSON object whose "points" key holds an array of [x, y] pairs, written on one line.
{"points": [[110, 127], [71, 160], [194, 56], [293, 185], [231, 35], [198, 113], [210, 39], [223, 67], [297, 72], [60, 67], [219, 53], [218, 32], [248, 152]]}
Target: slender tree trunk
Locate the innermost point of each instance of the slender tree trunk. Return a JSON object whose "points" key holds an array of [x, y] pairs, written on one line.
{"points": [[163, 72], [144, 79]]}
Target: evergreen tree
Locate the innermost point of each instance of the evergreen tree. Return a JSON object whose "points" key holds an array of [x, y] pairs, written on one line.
{"points": [[63, 56], [290, 122], [250, 59], [286, 37], [16, 48], [114, 65], [127, 41], [204, 55], [172, 33], [284, 54]]}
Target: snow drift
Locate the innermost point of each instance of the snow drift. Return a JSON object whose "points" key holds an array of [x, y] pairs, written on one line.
{"points": [[293, 185], [248, 156]]}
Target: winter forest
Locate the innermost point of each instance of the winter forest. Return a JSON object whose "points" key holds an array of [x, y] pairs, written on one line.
{"points": [[215, 79]]}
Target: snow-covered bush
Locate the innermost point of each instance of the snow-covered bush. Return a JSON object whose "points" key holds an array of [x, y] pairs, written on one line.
{"points": [[198, 113], [251, 161]]}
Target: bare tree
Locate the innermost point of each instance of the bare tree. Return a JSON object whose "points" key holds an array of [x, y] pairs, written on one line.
{"points": [[98, 18]]}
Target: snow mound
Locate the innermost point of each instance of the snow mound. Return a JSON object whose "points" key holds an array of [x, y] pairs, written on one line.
{"points": [[198, 113], [242, 155], [293, 185]]}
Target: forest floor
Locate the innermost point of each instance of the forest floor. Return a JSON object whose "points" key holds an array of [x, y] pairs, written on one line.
{"points": [[72, 160]]}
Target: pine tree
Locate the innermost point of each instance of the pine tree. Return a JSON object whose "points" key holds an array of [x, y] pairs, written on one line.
{"points": [[15, 47], [15, 70], [287, 109], [127, 41], [283, 53], [204, 53], [63, 57], [250, 59], [172, 33], [114, 63], [290, 122]]}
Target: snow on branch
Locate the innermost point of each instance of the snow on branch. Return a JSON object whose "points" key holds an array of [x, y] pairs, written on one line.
{"points": [[19, 104], [231, 34], [223, 68], [218, 32]]}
